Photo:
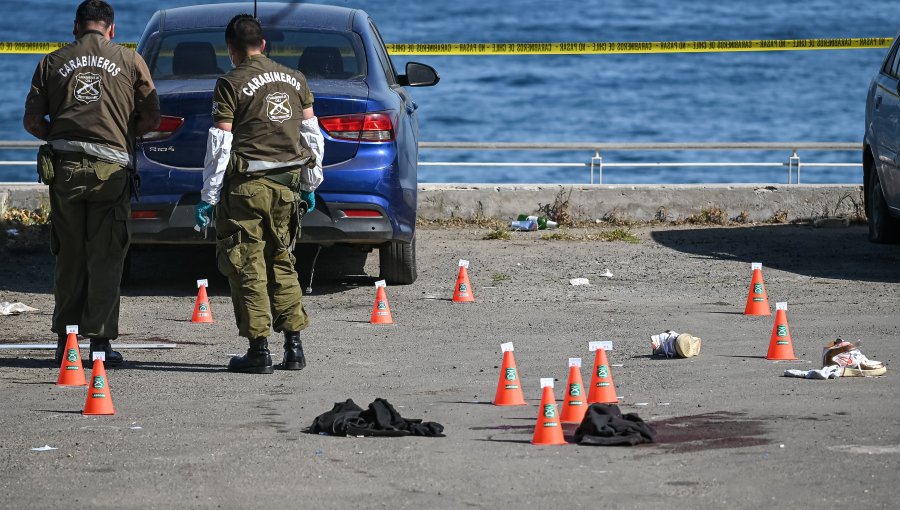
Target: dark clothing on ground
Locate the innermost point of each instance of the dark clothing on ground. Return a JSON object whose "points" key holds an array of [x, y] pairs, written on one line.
{"points": [[605, 425], [380, 419]]}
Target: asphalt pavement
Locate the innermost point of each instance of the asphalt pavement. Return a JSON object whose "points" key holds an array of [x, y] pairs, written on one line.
{"points": [[732, 432]]}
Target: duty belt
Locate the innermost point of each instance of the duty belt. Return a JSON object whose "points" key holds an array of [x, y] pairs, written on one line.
{"points": [[103, 152]]}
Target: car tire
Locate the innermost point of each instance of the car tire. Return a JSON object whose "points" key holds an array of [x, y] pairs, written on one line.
{"points": [[398, 262], [882, 227]]}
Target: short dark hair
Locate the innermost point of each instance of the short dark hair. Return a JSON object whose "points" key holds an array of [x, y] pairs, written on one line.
{"points": [[244, 32], [94, 11]]}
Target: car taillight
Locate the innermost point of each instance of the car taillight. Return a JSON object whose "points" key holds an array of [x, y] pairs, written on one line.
{"points": [[167, 127], [361, 213], [369, 127]]}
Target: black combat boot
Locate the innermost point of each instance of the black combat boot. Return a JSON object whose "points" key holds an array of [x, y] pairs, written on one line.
{"points": [[60, 349], [102, 344], [256, 361], [293, 352]]}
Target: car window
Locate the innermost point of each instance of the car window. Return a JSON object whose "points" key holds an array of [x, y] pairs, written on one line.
{"points": [[383, 57], [203, 54], [895, 69], [890, 63]]}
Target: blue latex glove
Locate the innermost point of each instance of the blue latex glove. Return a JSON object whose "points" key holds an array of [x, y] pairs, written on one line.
{"points": [[203, 213], [310, 198]]}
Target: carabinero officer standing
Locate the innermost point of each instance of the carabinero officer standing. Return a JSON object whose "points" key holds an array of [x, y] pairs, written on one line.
{"points": [[263, 163], [99, 96]]}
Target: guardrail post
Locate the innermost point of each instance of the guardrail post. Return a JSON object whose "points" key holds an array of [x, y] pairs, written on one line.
{"points": [[597, 161], [794, 159]]}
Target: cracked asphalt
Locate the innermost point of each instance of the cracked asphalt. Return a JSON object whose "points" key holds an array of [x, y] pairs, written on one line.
{"points": [[731, 431]]}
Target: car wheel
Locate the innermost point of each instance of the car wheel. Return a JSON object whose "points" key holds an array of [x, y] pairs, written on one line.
{"points": [[882, 227], [398, 262]]}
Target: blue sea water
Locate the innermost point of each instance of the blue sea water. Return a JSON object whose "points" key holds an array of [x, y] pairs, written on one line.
{"points": [[814, 96]]}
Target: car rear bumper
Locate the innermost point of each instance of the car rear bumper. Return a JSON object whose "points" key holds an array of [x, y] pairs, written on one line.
{"points": [[328, 224]]}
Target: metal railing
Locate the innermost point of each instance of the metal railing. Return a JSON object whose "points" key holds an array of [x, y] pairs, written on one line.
{"points": [[595, 164]]}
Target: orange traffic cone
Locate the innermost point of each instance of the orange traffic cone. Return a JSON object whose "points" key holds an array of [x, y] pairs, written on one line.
{"points": [[548, 430], [574, 405], [509, 389], [202, 311], [381, 311], [463, 292], [99, 397], [757, 301], [71, 372], [602, 391], [780, 346]]}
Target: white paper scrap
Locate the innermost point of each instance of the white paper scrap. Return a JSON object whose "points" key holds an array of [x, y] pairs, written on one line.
{"points": [[507, 347], [380, 283], [546, 382], [45, 448], [579, 281], [7, 308], [781, 306], [596, 346], [574, 362], [607, 274], [755, 265], [202, 283]]}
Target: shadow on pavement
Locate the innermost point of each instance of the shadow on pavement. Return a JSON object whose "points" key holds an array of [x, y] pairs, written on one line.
{"points": [[165, 366], [842, 253]]}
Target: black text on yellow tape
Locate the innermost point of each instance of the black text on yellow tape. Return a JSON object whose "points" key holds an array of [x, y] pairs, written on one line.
{"points": [[569, 48], [612, 48]]}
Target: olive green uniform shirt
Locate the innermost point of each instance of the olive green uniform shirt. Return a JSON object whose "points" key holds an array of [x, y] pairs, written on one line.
{"points": [[264, 102], [91, 89]]}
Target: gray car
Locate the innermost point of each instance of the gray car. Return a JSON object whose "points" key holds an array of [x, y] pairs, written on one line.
{"points": [[881, 150]]}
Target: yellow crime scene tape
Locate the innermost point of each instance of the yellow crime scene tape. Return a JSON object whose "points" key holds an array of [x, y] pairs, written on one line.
{"points": [[569, 48]]}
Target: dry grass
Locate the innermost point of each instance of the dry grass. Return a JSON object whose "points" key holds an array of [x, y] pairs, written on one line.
{"points": [[499, 234], [605, 235]]}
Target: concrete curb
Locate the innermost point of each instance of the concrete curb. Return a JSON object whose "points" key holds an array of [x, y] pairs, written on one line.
{"points": [[587, 202], [641, 202]]}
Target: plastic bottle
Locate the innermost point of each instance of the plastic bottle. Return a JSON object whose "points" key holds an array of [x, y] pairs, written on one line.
{"points": [[542, 222], [529, 225]]}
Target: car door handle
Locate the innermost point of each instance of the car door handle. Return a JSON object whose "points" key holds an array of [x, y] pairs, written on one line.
{"points": [[877, 102], [410, 108]]}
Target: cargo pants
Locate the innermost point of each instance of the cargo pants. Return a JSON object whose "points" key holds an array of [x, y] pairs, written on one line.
{"points": [[90, 202], [255, 228]]}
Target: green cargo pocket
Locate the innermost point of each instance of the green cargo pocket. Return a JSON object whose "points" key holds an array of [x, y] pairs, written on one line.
{"points": [[120, 232], [45, 169], [105, 170], [229, 254]]}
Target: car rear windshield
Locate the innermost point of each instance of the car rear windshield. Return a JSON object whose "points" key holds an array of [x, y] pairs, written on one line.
{"points": [[203, 54]]}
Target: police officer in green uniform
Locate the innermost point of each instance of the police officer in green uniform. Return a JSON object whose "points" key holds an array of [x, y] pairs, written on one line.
{"points": [[98, 96], [263, 163]]}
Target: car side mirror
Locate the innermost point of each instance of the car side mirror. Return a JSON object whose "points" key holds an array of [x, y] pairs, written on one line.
{"points": [[418, 75]]}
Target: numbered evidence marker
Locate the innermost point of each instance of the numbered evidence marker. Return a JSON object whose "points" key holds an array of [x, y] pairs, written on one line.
{"points": [[509, 387], [463, 292], [547, 430], [574, 402], [780, 344], [602, 389], [99, 397]]}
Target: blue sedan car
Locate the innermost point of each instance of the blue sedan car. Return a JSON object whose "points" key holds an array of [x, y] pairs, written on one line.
{"points": [[367, 117]]}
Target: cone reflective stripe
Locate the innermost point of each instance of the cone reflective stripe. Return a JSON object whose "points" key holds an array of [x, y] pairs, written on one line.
{"points": [[381, 311], [548, 430], [509, 387], [71, 371], [757, 301], [780, 346], [574, 403], [602, 389], [99, 398], [463, 293], [202, 310]]}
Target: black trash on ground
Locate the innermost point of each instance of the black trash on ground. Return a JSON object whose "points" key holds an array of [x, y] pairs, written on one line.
{"points": [[605, 425], [380, 419]]}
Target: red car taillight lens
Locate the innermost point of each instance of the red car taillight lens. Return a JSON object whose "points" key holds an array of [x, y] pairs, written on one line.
{"points": [[168, 125], [369, 127]]}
